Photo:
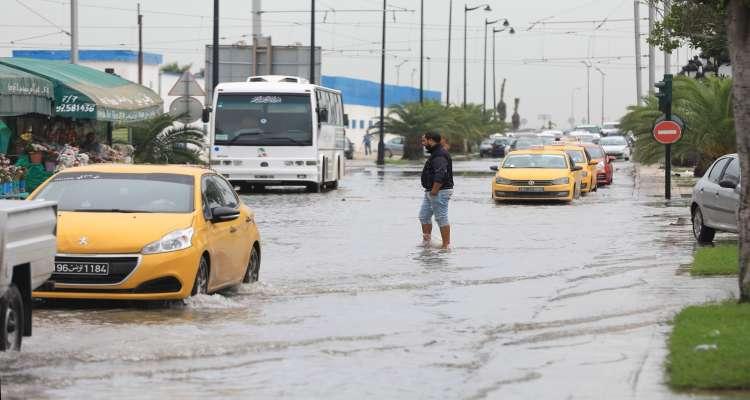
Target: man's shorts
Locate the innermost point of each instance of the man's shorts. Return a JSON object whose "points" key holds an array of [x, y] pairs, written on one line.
{"points": [[437, 206]]}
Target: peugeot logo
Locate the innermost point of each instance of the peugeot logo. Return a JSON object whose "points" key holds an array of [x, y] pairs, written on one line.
{"points": [[83, 241], [532, 183]]}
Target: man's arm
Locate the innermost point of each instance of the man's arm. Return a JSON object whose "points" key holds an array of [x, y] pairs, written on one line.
{"points": [[440, 168], [436, 188]]}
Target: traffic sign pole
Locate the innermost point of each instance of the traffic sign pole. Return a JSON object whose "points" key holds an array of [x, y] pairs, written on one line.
{"points": [[665, 105], [668, 158]]}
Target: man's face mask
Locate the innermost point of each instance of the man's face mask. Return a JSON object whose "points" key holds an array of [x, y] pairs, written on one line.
{"points": [[430, 146]]}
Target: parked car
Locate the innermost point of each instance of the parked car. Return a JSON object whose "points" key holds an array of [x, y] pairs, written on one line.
{"points": [[585, 136], [394, 146], [348, 149], [616, 146], [148, 232], [27, 252], [604, 169], [716, 199], [493, 147]]}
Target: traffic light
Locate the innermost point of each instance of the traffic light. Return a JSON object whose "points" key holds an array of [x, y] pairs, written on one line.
{"points": [[665, 94]]}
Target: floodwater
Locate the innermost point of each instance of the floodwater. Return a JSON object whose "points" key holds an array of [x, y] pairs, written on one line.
{"points": [[534, 301]]}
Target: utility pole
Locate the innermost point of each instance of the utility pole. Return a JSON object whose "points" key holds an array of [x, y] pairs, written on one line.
{"points": [[215, 52], [667, 55], [74, 31], [140, 46], [448, 83], [487, 23], [603, 75], [256, 19], [588, 90], [381, 128], [421, 51], [651, 49], [312, 42], [466, 12], [638, 82], [494, 80]]}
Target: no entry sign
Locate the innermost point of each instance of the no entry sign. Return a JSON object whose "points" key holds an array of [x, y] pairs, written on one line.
{"points": [[667, 132]]}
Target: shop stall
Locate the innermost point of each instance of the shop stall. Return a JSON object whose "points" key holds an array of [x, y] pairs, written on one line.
{"points": [[78, 130]]}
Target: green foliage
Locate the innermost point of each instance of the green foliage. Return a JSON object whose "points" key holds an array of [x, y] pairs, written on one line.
{"points": [[174, 68], [159, 141], [718, 260], [725, 366], [700, 24], [706, 108], [456, 124]]}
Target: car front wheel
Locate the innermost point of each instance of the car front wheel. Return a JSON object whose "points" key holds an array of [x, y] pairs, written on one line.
{"points": [[201, 278], [252, 273], [702, 233]]}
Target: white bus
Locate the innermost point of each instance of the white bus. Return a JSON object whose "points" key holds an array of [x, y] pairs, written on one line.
{"points": [[277, 130]]}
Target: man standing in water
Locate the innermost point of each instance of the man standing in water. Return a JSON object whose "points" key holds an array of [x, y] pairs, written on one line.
{"points": [[437, 181]]}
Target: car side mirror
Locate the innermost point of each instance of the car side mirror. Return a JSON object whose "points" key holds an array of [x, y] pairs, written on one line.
{"points": [[346, 119], [611, 158], [576, 168], [206, 115], [494, 168], [323, 115], [727, 184], [224, 214]]}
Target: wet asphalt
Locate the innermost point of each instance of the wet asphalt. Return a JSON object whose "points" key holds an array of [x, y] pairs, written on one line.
{"points": [[534, 301]]}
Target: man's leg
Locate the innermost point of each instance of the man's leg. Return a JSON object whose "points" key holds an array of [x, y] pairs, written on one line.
{"points": [[441, 215], [425, 217]]}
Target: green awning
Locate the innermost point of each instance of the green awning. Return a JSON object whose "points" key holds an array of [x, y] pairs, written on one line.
{"points": [[23, 93], [83, 92]]}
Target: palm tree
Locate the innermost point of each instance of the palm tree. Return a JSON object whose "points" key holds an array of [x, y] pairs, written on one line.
{"points": [[412, 120], [160, 141], [705, 107]]}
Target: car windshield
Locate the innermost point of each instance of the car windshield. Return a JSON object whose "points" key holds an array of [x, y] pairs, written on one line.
{"points": [[263, 120], [577, 155], [613, 141], [553, 161], [595, 152], [120, 192]]}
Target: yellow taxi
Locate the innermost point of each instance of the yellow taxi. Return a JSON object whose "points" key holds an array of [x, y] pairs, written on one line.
{"points": [[536, 174], [582, 158], [148, 232]]}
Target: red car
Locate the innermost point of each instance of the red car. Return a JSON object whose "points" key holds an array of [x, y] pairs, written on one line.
{"points": [[604, 169]]}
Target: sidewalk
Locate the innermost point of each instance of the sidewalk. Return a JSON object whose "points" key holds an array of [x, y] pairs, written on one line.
{"points": [[649, 181]]}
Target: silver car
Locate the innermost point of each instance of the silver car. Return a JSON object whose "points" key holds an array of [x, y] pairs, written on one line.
{"points": [[716, 199]]}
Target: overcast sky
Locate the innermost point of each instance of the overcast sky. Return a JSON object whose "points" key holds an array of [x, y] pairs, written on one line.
{"points": [[543, 62]]}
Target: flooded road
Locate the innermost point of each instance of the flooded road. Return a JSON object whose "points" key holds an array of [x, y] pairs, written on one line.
{"points": [[533, 301]]}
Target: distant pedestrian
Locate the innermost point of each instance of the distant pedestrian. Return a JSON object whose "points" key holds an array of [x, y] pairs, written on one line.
{"points": [[437, 181], [367, 141]]}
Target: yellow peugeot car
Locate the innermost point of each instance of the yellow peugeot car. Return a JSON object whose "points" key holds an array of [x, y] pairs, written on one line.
{"points": [[536, 174], [148, 232], [583, 159]]}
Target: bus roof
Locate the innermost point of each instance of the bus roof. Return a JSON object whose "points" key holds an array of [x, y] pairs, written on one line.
{"points": [[269, 87]]}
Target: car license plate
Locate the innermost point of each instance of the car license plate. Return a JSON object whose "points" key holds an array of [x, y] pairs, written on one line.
{"points": [[81, 268], [530, 189]]}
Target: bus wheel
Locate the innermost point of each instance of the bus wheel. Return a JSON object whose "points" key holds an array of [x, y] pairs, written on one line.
{"points": [[313, 187], [333, 185]]}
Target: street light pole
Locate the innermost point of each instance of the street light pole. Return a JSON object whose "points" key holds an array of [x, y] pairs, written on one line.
{"points": [[398, 71], [215, 52], [312, 42], [487, 23], [494, 81], [381, 145], [450, 28], [74, 31], [572, 106], [603, 75], [588, 91], [466, 12], [421, 51]]}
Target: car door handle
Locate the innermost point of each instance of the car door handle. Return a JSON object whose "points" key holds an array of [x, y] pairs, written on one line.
{"points": [[232, 230], [248, 219]]}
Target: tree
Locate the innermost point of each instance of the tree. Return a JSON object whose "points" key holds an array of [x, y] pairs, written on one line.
{"points": [[174, 68], [502, 108], [160, 141], [469, 125], [516, 119], [706, 108], [738, 34], [412, 120]]}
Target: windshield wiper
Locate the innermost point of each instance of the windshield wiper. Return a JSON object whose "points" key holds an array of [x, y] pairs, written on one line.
{"points": [[295, 141], [239, 135], [109, 210]]}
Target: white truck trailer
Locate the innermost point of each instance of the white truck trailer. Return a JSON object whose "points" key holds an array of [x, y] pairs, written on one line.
{"points": [[27, 254]]}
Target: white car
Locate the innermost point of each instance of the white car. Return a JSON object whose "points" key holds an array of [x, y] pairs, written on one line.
{"points": [[616, 146], [716, 199], [611, 128], [585, 136]]}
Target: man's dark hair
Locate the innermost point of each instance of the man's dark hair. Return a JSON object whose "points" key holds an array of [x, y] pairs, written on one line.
{"points": [[434, 136]]}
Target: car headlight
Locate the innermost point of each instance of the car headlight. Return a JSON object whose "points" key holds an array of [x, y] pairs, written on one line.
{"points": [[502, 181], [176, 240], [600, 165], [561, 181]]}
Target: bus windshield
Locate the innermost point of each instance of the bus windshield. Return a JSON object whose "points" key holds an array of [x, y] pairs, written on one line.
{"points": [[263, 119]]}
